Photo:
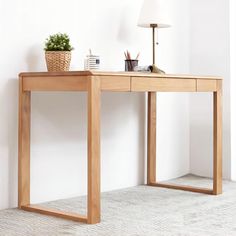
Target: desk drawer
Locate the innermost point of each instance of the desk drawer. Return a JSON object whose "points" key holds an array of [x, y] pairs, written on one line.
{"points": [[115, 83], [142, 84]]}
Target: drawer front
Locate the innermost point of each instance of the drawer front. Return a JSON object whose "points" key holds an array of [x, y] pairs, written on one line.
{"points": [[55, 83], [206, 85], [142, 84], [115, 83]]}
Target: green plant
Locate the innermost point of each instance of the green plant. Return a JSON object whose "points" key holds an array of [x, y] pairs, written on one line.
{"points": [[58, 42]]}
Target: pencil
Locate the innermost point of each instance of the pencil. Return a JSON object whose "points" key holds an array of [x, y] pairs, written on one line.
{"points": [[125, 56]]}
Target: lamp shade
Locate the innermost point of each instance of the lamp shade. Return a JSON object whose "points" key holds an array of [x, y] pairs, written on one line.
{"points": [[154, 12]]}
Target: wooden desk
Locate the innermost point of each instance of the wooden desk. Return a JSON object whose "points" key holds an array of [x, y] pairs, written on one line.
{"points": [[94, 83]]}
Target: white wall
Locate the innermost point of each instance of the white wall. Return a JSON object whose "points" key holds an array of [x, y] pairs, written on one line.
{"points": [[209, 54], [58, 166], [172, 108], [233, 85]]}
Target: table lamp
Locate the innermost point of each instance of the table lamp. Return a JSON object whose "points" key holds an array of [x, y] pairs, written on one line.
{"points": [[154, 14]]}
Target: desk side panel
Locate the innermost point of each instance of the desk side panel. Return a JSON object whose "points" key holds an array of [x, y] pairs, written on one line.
{"points": [[206, 85]]}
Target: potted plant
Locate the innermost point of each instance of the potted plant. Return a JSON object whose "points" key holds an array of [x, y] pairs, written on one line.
{"points": [[58, 52]]}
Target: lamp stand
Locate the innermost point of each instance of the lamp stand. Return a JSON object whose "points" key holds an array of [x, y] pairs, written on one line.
{"points": [[153, 26], [155, 68]]}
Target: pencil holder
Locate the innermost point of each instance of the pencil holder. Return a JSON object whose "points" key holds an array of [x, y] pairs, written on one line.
{"points": [[130, 65]]}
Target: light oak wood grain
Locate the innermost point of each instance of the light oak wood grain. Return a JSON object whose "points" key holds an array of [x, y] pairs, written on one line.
{"points": [[118, 73], [217, 124], [55, 83], [94, 97], [24, 146], [206, 85], [61, 73], [183, 187], [94, 82], [142, 84], [56, 213], [151, 142], [115, 83]]}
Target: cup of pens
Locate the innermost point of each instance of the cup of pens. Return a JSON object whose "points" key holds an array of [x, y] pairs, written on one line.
{"points": [[130, 64]]}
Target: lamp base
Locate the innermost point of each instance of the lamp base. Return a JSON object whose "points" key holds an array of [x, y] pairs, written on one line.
{"points": [[156, 70]]}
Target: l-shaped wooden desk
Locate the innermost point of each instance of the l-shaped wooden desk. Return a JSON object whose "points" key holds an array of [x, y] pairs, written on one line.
{"points": [[94, 83]]}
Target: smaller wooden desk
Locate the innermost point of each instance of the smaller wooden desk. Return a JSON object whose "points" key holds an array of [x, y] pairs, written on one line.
{"points": [[94, 83]]}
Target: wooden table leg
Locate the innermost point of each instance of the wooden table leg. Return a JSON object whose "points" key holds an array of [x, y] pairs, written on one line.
{"points": [[94, 96], [217, 150], [151, 147], [151, 156], [93, 215], [24, 147]]}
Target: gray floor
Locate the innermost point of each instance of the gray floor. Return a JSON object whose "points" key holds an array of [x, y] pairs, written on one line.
{"points": [[138, 211]]}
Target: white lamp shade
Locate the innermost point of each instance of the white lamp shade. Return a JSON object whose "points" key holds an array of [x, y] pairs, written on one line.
{"points": [[154, 12]]}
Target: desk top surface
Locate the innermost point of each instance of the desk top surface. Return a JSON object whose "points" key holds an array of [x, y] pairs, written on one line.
{"points": [[128, 74]]}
